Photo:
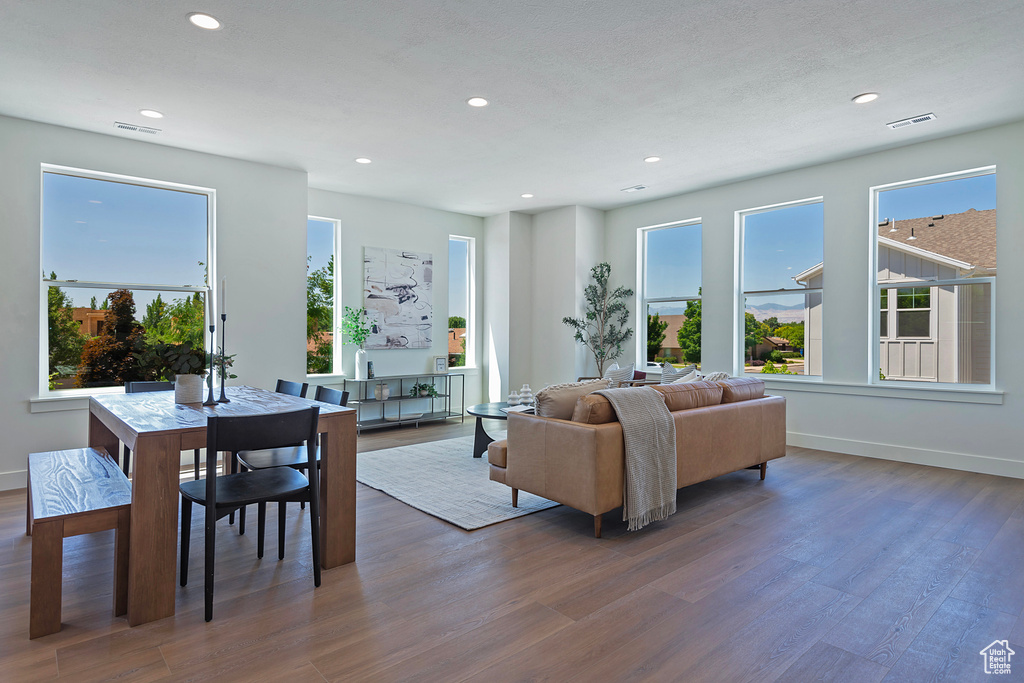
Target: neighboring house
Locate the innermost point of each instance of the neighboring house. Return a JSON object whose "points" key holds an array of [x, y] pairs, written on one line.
{"points": [[456, 340], [312, 342], [670, 346], [926, 333], [769, 344], [90, 320]]}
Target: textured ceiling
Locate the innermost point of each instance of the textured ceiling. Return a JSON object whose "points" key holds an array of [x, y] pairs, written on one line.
{"points": [[581, 91]]}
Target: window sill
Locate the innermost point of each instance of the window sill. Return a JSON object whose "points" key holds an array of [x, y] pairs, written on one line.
{"points": [[914, 392], [465, 370], [68, 399]]}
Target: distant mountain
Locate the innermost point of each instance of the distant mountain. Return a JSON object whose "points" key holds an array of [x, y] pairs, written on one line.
{"points": [[775, 307], [781, 312]]}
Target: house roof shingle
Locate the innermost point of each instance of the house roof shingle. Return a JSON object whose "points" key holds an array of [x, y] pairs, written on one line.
{"points": [[969, 236]]}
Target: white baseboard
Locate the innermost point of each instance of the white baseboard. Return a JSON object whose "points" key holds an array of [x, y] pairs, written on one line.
{"points": [[13, 480], [982, 464]]}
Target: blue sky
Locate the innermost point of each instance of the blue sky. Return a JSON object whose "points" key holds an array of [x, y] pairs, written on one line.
{"points": [[319, 243], [458, 287], [952, 196], [780, 243], [97, 230]]}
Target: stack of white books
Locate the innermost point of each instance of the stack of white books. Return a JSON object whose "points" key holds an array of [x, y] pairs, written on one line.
{"points": [[517, 409]]}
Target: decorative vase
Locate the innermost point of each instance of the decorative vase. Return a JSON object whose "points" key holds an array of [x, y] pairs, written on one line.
{"points": [[188, 389], [381, 392], [424, 393], [361, 372], [513, 398], [526, 395]]}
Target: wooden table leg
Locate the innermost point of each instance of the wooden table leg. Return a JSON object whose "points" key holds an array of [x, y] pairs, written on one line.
{"points": [[154, 529], [47, 570], [338, 489]]}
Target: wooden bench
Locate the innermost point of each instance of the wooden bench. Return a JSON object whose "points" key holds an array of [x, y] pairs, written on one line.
{"points": [[73, 492]]}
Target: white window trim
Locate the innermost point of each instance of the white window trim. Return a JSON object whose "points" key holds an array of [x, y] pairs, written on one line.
{"points": [[739, 319], [640, 319], [47, 397], [874, 304], [471, 320], [336, 372]]}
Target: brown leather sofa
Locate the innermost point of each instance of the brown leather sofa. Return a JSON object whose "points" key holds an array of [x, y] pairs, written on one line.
{"points": [[721, 427]]}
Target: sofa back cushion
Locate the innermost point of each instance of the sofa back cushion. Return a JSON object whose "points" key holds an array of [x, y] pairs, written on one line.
{"points": [[687, 395], [741, 389], [669, 373], [559, 400], [594, 409]]}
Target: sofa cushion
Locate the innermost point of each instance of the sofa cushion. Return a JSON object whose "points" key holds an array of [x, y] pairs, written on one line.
{"points": [[739, 389], [692, 376], [687, 395], [559, 400], [497, 453], [594, 409], [670, 374], [716, 376], [618, 375]]}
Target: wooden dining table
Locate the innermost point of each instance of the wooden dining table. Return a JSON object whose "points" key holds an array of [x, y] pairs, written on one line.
{"points": [[157, 430]]}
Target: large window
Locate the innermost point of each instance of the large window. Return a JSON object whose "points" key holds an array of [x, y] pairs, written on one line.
{"points": [[670, 283], [322, 342], [935, 278], [783, 250], [460, 301], [125, 270]]}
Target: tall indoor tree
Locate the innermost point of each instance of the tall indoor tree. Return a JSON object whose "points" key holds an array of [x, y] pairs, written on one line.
{"points": [[602, 329]]}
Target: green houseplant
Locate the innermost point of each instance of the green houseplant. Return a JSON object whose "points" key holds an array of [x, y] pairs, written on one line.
{"points": [[602, 329], [357, 330], [426, 390]]}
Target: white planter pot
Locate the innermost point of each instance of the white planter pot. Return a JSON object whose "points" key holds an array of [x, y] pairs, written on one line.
{"points": [[188, 389], [361, 364], [381, 392]]}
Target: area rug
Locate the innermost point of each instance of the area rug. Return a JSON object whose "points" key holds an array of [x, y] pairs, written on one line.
{"points": [[443, 479]]}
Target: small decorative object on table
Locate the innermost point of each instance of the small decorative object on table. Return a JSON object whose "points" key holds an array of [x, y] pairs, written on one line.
{"points": [[382, 391], [369, 368], [526, 395], [440, 364], [187, 364], [513, 398]]}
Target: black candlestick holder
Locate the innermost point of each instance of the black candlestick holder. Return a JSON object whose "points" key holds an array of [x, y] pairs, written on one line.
{"points": [[210, 401], [223, 355]]}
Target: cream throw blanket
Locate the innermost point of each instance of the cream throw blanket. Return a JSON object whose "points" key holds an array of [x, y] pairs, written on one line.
{"points": [[649, 433]]}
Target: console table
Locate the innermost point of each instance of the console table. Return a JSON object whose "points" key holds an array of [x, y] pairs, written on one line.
{"points": [[401, 408]]}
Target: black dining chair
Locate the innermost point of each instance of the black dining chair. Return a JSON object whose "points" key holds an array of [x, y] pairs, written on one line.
{"points": [[288, 456], [223, 494], [138, 388], [292, 388]]}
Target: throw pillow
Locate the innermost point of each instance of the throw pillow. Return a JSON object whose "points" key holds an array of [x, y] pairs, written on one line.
{"points": [[594, 409], [618, 375], [670, 374], [692, 376], [559, 400], [738, 389], [716, 376]]}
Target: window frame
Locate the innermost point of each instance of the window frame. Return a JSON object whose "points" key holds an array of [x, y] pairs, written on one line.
{"points": [[339, 342], [212, 302], [644, 301], [876, 286], [739, 351], [471, 322]]}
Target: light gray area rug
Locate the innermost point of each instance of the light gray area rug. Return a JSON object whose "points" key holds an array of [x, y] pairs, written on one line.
{"points": [[443, 479]]}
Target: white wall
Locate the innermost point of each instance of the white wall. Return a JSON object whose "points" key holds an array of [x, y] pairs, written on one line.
{"points": [[496, 307], [368, 222], [951, 432], [261, 218], [589, 253]]}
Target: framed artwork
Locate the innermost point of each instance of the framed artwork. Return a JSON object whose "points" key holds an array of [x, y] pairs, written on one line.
{"points": [[440, 364], [397, 294]]}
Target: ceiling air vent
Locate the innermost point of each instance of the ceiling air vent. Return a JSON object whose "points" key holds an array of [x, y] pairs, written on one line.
{"points": [[131, 127], [635, 188], [913, 120]]}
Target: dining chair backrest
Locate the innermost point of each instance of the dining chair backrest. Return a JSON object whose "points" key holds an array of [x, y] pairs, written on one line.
{"points": [[292, 388], [139, 387], [325, 395], [252, 432]]}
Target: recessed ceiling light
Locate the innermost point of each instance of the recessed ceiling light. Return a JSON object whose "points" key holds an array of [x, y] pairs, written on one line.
{"points": [[205, 21], [652, 160], [866, 97], [151, 113], [363, 160], [476, 102], [526, 196]]}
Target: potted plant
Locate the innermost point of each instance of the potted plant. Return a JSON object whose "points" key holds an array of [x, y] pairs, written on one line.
{"points": [[602, 329], [425, 390], [357, 329], [188, 365]]}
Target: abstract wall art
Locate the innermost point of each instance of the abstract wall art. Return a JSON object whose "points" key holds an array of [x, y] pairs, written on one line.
{"points": [[397, 294]]}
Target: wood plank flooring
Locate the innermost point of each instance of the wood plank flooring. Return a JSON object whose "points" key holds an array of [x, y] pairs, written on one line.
{"points": [[835, 568]]}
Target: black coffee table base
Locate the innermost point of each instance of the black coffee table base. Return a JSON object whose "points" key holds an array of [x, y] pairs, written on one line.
{"points": [[482, 411]]}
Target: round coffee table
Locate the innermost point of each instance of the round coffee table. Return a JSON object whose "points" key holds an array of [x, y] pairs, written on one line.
{"points": [[485, 411]]}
